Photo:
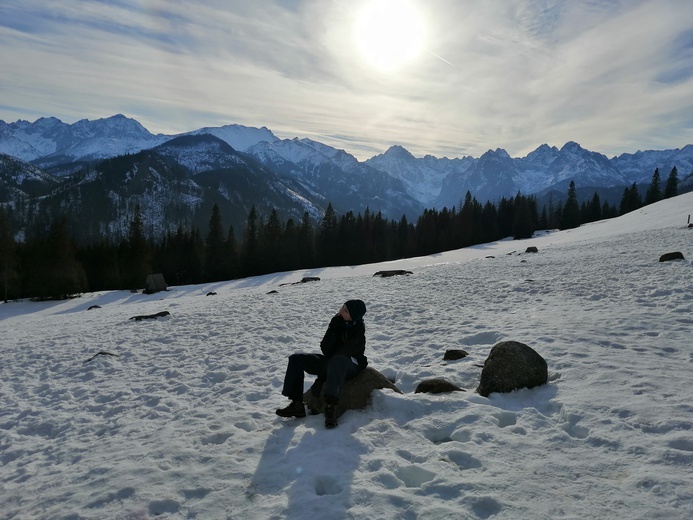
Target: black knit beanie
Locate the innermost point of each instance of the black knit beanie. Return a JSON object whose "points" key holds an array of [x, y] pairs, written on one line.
{"points": [[356, 309]]}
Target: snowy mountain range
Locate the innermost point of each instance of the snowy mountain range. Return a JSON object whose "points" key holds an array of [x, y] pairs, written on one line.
{"points": [[238, 166]]}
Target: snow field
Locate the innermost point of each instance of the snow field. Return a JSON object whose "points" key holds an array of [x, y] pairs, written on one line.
{"points": [[181, 424]]}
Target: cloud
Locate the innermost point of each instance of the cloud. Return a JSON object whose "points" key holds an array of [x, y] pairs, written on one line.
{"points": [[613, 75]]}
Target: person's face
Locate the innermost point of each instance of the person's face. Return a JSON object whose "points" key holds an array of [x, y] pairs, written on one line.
{"points": [[344, 313]]}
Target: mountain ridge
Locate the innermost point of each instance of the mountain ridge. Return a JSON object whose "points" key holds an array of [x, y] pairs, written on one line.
{"points": [[300, 173]]}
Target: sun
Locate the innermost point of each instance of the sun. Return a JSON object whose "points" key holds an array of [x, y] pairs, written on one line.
{"points": [[389, 34]]}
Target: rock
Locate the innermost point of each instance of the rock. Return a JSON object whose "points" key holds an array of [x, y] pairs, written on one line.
{"points": [[452, 354], [667, 257], [94, 307], [356, 393], [512, 365], [532, 249], [305, 279], [151, 316], [273, 292], [436, 386], [211, 293], [394, 272]]}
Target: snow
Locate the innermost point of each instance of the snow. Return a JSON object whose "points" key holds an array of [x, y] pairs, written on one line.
{"points": [[239, 137], [182, 423]]}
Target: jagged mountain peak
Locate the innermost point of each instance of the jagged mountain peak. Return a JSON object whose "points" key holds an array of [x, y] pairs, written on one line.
{"points": [[337, 156], [48, 122], [545, 148], [399, 151], [498, 153], [572, 147], [113, 126], [543, 156]]}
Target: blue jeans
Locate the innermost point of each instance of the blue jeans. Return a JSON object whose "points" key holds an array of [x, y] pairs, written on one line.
{"points": [[333, 372]]}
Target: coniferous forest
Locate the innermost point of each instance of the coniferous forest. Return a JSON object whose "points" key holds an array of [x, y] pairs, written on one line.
{"points": [[52, 264]]}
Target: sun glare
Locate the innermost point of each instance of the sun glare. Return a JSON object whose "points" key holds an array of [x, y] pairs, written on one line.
{"points": [[389, 34]]}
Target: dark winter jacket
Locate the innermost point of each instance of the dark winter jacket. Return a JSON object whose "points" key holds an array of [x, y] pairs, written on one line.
{"points": [[346, 338]]}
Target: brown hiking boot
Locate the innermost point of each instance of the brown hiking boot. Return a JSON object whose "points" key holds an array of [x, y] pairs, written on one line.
{"points": [[295, 409], [331, 416]]}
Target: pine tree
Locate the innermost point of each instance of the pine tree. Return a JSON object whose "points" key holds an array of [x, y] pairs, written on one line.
{"points": [[571, 210], [137, 253], [543, 219], [100, 263], [306, 242], [60, 274], [672, 187], [347, 246], [463, 235], [250, 259], [216, 261], [654, 192], [232, 252], [327, 243], [631, 200], [489, 223], [506, 217], [290, 255], [382, 249], [272, 245], [7, 256], [595, 208], [525, 217], [608, 211]]}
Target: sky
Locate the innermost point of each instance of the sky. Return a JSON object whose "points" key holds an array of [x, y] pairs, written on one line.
{"points": [[441, 77]]}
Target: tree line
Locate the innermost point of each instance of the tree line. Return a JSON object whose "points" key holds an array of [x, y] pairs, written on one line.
{"points": [[52, 264]]}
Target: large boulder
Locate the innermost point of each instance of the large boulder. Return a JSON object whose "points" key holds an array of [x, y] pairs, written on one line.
{"points": [[668, 257], [512, 365], [356, 393]]}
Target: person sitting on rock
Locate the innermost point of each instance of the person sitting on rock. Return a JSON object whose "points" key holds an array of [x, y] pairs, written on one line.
{"points": [[342, 358]]}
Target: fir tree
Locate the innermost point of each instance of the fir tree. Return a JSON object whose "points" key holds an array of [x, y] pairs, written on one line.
{"points": [[672, 187], [272, 244], [327, 243], [654, 192], [631, 200], [216, 261], [571, 209], [137, 253], [595, 208], [59, 274], [100, 263], [306, 242], [506, 217], [7, 256], [489, 223], [250, 261], [525, 217], [232, 252], [290, 252]]}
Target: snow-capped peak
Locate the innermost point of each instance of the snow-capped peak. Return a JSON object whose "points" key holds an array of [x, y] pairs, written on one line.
{"points": [[240, 137]]}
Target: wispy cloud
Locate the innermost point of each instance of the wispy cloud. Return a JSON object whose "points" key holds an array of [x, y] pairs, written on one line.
{"points": [[614, 75]]}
